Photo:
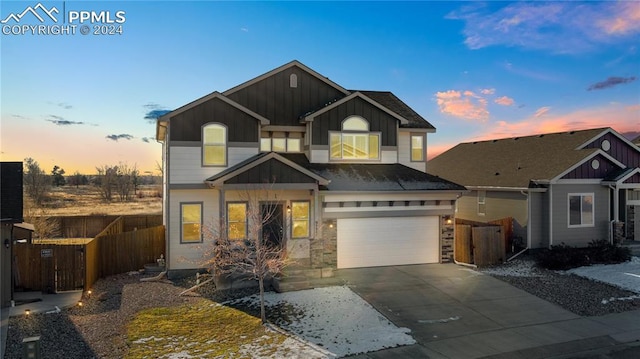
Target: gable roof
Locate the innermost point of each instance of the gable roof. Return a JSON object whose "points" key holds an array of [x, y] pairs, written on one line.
{"points": [[310, 116], [514, 162], [251, 162], [393, 103], [374, 177], [282, 68], [162, 121]]}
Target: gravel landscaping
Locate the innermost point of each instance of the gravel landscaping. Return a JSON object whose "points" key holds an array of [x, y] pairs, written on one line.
{"points": [[98, 329], [577, 294]]}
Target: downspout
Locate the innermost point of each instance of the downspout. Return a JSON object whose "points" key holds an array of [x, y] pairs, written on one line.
{"points": [[550, 215], [616, 214]]}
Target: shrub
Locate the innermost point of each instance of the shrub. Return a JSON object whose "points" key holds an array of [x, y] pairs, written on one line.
{"points": [[563, 257]]}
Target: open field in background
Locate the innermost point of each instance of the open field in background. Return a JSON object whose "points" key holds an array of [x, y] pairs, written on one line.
{"points": [[86, 200]]}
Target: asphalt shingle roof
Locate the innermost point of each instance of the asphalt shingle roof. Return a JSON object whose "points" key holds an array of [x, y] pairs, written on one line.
{"points": [[513, 162], [393, 103]]}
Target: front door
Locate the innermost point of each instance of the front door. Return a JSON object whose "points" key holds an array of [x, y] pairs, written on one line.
{"points": [[272, 224]]}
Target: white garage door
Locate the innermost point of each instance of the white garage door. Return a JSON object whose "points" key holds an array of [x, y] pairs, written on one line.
{"points": [[373, 242]]}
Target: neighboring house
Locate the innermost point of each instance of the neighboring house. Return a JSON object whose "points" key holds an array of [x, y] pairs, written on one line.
{"points": [[636, 141], [569, 187], [10, 217], [345, 172]]}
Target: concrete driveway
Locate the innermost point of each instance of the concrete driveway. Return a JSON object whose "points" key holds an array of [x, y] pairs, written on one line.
{"points": [[455, 312]]}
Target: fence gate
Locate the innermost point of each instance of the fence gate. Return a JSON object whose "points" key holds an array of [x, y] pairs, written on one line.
{"points": [[48, 268]]}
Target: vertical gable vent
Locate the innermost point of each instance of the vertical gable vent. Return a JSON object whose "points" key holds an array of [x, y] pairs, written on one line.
{"points": [[293, 81]]}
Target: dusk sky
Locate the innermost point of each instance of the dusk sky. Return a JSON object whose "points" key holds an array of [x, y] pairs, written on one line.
{"points": [[475, 70]]}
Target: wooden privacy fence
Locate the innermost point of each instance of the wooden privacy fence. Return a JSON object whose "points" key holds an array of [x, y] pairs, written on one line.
{"points": [[91, 226], [478, 245], [62, 267], [48, 267], [123, 252]]}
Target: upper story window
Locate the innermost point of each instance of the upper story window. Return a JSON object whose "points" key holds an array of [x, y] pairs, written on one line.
{"points": [[280, 144], [355, 142], [214, 145], [417, 148]]}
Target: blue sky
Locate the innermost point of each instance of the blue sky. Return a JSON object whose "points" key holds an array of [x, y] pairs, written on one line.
{"points": [[475, 70]]}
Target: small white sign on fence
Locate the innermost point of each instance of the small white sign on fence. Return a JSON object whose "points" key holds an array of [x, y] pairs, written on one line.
{"points": [[46, 253]]}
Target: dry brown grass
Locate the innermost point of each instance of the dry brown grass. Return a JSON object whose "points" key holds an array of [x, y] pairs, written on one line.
{"points": [[86, 200]]}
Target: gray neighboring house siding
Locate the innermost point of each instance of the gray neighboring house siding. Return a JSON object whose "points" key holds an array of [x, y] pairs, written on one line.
{"points": [[561, 233], [547, 167]]}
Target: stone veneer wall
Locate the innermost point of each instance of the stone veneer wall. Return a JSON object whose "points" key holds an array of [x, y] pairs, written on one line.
{"points": [[324, 250], [446, 239]]}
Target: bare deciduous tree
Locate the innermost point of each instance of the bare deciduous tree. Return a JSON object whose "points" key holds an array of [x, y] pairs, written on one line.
{"points": [[120, 178], [45, 226], [248, 256], [36, 182]]}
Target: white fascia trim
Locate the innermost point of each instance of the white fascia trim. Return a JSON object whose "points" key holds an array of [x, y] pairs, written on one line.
{"points": [[591, 156], [282, 68], [215, 94], [310, 117], [613, 132], [384, 209], [272, 155]]}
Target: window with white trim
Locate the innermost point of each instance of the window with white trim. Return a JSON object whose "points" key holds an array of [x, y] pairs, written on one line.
{"points": [[581, 210], [300, 219], [214, 145], [417, 148], [268, 144], [237, 220], [482, 203], [355, 142], [191, 222]]}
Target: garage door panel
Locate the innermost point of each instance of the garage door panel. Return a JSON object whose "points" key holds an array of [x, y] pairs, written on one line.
{"points": [[370, 242]]}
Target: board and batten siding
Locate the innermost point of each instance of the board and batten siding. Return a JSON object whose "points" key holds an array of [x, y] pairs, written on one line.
{"points": [[560, 222], [404, 152], [379, 121], [186, 163], [618, 149], [274, 97], [241, 127], [188, 255]]}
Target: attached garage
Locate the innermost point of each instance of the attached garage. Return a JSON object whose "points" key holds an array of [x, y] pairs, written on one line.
{"points": [[374, 242]]}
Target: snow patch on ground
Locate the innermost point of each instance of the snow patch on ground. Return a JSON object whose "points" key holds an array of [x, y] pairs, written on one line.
{"points": [[318, 313], [623, 275]]}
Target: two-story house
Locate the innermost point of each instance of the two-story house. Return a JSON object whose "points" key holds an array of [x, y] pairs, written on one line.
{"points": [[343, 171]]}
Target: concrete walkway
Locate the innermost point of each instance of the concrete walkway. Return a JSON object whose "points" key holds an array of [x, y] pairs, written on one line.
{"points": [[37, 303], [455, 312]]}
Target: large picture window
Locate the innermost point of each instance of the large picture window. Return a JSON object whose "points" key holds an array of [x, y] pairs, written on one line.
{"points": [[300, 219], [214, 145], [355, 142], [237, 220], [191, 218], [581, 213]]}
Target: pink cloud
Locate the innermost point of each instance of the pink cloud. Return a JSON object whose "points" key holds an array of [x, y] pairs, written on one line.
{"points": [[626, 19], [504, 101], [622, 118], [466, 105], [541, 111]]}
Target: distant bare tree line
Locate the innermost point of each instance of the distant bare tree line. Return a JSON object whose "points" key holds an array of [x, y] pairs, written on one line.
{"points": [[114, 181]]}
